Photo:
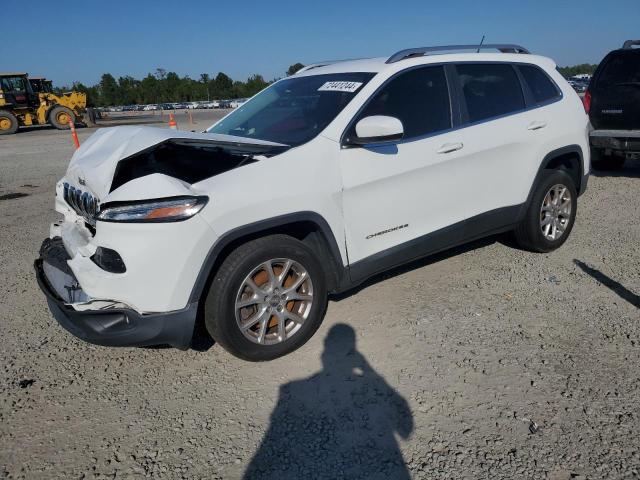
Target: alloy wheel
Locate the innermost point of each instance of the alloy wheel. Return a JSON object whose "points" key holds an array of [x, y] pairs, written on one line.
{"points": [[555, 213], [274, 301]]}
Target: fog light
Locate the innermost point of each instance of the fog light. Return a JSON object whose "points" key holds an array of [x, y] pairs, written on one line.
{"points": [[109, 260]]}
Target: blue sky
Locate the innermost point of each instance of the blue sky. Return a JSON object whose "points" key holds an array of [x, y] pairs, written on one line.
{"points": [[68, 41]]}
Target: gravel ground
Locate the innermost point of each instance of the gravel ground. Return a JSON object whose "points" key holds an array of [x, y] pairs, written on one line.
{"points": [[485, 362]]}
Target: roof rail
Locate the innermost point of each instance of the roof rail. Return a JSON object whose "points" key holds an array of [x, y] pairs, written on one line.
{"points": [[630, 43], [419, 52]]}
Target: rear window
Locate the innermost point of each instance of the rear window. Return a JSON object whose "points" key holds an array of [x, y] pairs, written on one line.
{"points": [[490, 90], [540, 85], [621, 68]]}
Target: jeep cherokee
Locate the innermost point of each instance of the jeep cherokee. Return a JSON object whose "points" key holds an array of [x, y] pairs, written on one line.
{"points": [[320, 181]]}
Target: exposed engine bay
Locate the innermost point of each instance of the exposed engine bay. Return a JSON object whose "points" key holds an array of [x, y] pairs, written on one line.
{"points": [[190, 161]]}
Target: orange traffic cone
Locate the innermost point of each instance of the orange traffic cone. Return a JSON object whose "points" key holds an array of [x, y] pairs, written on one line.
{"points": [[172, 122], [74, 135]]}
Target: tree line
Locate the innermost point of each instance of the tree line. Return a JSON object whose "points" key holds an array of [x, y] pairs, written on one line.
{"points": [[567, 72], [169, 87]]}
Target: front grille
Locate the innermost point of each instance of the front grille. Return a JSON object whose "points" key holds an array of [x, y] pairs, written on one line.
{"points": [[84, 204]]}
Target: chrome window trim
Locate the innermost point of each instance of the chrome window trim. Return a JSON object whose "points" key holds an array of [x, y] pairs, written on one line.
{"points": [[454, 128]]}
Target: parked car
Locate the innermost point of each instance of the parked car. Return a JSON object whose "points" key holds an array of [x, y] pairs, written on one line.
{"points": [[578, 85], [237, 102], [613, 104], [324, 179]]}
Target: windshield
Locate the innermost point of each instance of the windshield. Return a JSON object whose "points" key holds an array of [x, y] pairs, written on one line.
{"points": [[13, 84], [294, 110]]}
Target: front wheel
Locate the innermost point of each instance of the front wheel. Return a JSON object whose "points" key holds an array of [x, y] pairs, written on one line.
{"points": [[8, 123], [267, 299], [59, 117], [551, 213]]}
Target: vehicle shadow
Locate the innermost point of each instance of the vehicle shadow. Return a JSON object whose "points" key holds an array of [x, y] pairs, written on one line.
{"points": [[503, 238], [610, 283], [631, 169], [202, 341], [338, 423]]}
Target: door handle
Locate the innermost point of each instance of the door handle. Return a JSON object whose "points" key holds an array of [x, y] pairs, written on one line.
{"points": [[536, 125], [450, 147]]}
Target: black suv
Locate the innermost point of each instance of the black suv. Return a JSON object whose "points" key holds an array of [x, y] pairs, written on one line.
{"points": [[613, 104]]}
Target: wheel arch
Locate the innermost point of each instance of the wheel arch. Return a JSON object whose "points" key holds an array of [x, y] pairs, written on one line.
{"points": [[570, 159], [309, 227]]}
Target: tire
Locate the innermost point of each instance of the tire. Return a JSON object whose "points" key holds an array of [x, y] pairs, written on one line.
{"points": [[8, 123], [530, 233], [231, 284], [600, 161], [59, 117]]}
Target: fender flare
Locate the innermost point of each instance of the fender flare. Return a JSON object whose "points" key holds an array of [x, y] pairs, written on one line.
{"points": [[569, 149], [212, 258]]}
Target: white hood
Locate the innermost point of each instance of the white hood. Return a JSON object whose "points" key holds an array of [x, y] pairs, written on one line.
{"points": [[96, 159]]}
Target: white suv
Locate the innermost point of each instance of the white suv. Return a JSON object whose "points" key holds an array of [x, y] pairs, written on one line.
{"points": [[320, 181]]}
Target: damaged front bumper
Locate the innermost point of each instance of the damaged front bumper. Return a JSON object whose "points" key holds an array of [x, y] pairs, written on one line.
{"points": [[102, 323]]}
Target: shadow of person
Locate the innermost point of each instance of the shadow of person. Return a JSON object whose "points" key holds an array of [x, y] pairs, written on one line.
{"points": [[338, 423]]}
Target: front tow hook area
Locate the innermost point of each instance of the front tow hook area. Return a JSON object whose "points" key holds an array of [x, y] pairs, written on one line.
{"points": [[107, 326]]}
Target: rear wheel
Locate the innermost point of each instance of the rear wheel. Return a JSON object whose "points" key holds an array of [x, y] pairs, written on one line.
{"points": [[267, 298], [600, 161], [59, 117], [8, 123], [551, 213]]}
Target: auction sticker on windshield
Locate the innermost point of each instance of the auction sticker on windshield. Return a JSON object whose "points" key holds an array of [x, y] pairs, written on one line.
{"points": [[348, 87]]}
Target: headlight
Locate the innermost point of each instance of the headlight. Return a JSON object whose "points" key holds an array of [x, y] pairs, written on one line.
{"points": [[174, 209]]}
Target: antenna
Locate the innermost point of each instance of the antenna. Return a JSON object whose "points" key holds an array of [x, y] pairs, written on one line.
{"points": [[479, 46]]}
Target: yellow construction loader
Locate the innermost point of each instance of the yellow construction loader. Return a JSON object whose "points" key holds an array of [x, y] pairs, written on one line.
{"points": [[20, 105]]}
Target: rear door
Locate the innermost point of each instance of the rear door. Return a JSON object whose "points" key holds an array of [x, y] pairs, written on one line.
{"points": [[499, 137], [615, 92]]}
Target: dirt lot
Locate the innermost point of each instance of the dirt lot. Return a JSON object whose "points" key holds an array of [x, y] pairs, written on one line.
{"points": [[486, 362]]}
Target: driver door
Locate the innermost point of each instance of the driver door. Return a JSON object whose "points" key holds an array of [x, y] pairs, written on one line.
{"points": [[400, 197]]}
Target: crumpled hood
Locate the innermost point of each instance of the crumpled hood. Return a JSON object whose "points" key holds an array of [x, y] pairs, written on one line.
{"points": [[94, 163]]}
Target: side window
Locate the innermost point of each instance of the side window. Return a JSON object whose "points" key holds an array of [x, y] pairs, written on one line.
{"points": [[490, 89], [419, 98], [541, 86]]}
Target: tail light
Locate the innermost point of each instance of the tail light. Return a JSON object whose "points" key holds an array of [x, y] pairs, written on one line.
{"points": [[586, 101]]}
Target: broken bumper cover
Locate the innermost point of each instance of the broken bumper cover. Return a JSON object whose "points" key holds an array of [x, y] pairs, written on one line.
{"points": [[116, 327]]}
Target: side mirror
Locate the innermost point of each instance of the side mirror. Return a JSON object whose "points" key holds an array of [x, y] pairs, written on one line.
{"points": [[377, 129]]}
